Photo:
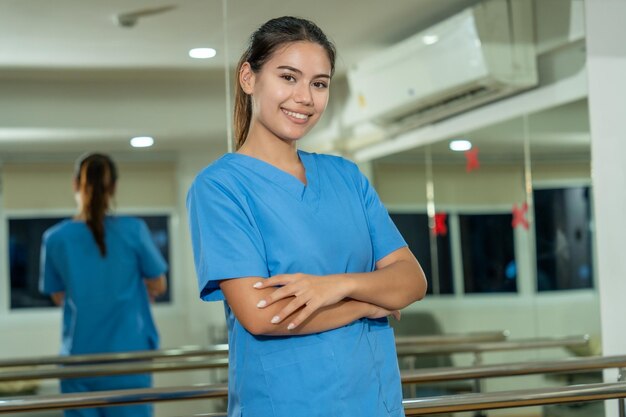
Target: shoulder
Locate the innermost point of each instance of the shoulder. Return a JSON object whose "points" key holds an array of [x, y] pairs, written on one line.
{"points": [[217, 180], [58, 231], [128, 225], [325, 161], [126, 221], [219, 171]]}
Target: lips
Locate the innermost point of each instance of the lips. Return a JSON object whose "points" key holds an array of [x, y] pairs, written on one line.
{"points": [[302, 117]]}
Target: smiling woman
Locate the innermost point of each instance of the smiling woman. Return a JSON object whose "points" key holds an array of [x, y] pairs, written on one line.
{"points": [[299, 247]]}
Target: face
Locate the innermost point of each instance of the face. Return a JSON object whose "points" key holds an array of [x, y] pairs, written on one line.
{"points": [[290, 92]]}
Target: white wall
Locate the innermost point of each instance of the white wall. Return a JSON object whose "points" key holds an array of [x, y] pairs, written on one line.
{"points": [[606, 61]]}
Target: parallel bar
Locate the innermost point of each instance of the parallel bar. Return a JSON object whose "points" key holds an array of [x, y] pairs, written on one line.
{"points": [[494, 346], [416, 406], [111, 398], [408, 377], [422, 375], [182, 352], [427, 345], [513, 399], [112, 369], [513, 369], [472, 337]]}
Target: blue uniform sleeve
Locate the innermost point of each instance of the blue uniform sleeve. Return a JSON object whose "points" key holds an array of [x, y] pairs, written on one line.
{"points": [[151, 262], [384, 234], [50, 280], [226, 243]]}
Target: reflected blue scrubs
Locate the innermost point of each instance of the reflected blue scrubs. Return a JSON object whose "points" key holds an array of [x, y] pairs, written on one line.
{"points": [[106, 306], [248, 218]]}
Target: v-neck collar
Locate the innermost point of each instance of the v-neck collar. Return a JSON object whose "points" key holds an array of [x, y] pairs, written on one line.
{"points": [[285, 180]]}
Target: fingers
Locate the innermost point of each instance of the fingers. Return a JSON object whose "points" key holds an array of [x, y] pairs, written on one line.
{"points": [[275, 281], [300, 318], [279, 294], [285, 285], [287, 311]]}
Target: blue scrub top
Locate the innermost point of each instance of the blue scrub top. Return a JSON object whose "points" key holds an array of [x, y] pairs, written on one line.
{"points": [[106, 306], [249, 218]]}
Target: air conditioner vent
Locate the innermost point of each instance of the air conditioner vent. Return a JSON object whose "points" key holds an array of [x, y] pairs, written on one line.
{"points": [[481, 54]]}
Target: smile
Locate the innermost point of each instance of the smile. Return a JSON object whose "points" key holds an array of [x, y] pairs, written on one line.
{"points": [[299, 116]]}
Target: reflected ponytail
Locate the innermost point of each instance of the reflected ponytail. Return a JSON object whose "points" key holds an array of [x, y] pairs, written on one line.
{"points": [[96, 176]]}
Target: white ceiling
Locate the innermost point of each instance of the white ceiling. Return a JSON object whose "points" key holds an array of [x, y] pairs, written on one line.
{"points": [[82, 33], [71, 79], [74, 80]]}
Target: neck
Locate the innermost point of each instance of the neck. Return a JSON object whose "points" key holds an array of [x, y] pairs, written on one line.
{"points": [[279, 153], [272, 150]]}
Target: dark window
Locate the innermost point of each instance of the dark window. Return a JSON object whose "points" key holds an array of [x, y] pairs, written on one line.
{"points": [[488, 253], [414, 228], [24, 248], [563, 238]]}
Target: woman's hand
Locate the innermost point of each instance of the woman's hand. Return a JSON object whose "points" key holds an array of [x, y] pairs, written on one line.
{"points": [[309, 293]]}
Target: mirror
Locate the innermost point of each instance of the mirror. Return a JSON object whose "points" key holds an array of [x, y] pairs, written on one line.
{"points": [[486, 223]]}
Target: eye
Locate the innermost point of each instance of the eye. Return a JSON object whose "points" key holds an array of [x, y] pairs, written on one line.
{"points": [[320, 84], [288, 77]]}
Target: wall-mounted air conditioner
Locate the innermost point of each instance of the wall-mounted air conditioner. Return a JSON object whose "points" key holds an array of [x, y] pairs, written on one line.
{"points": [[481, 54]]}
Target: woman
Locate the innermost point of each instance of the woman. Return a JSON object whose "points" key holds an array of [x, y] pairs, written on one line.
{"points": [[299, 246], [103, 270]]}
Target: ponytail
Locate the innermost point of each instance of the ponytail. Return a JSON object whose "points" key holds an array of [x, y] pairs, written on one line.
{"points": [[96, 176], [243, 109]]}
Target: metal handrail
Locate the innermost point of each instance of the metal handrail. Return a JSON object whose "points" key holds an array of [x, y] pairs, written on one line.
{"points": [[112, 369], [514, 399], [408, 377], [513, 369], [429, 347], [414, 406], [471, 337], [110, 398], [537, 343], [182, 352]]}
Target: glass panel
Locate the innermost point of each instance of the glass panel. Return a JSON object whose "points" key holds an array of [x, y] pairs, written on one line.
{"points": [[488, 253], [563, 238], [416, 231], [25, 236]]}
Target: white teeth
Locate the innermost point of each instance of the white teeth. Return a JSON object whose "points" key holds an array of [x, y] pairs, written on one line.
{"points": [[296, 115]]}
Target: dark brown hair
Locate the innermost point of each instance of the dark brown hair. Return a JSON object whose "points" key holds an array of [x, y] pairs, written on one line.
{"points": [[96, 175], [262, 45]]}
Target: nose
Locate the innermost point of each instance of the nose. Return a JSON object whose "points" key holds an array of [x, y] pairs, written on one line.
{"points": [[302, 95]]}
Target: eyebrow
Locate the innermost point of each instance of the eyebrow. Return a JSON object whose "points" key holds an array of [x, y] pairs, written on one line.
{"points": [[287, 67]]}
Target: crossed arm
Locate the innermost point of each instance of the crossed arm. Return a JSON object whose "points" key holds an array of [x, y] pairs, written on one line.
{"points": [[304, 304]]}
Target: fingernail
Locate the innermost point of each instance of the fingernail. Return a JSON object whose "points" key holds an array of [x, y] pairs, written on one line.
{"points": [[258, 285], [291, 326], [275, 319], [261, 304]]}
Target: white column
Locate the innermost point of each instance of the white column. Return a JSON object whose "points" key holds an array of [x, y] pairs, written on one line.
{"points": [[606, 63]]}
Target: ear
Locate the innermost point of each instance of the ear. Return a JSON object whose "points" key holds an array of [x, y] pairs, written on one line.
{"points": [[246, 78], [75, 185]]}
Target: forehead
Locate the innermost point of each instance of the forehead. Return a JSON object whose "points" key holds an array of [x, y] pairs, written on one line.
{"points": [[304, 56]]}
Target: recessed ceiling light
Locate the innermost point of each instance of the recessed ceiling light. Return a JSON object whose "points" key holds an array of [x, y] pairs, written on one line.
{"points": [[430, 39], [141, 142], [460, 145], [202, 53]]}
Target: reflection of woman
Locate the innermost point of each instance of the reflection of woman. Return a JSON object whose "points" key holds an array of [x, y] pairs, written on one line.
{"points": [[317, 261], [103, 270]]}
